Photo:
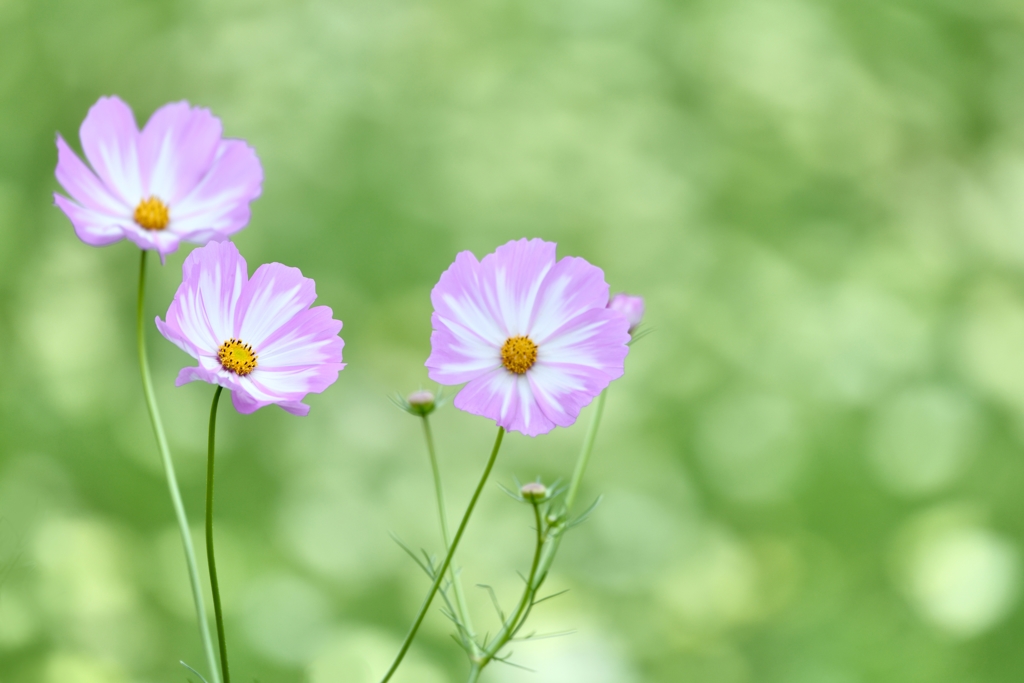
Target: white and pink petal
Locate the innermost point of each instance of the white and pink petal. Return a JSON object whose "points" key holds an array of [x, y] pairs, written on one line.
{"points": [[176, 148], [109, 138]]}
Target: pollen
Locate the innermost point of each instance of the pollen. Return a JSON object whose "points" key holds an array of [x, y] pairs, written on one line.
{"points": [[152, 214], [518, 354], [237, 357]]}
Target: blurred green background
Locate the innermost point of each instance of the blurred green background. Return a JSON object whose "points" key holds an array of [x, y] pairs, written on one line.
{"points": [[812, 468]]}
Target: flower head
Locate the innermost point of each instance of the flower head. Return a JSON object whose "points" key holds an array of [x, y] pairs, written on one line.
{"points": [[256, 336], [175, 180], [531, 336], [632, 307]]}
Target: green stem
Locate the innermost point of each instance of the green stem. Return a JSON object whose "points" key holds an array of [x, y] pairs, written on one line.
{"points": [[468, 637], [214, 585], [439, 577], [172, 481], [544, 551], [512, 626], [574, 486], [585, 451]]}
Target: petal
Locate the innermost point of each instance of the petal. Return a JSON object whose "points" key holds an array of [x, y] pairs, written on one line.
{"points": [[293, 383], [176, 149], [578, 362], [84, 187], [512, 278], [507, 399], [274, 295], [458, 355], [163, 241], [309, 338], [171, 331], [632, 307], [596, 339], [461, 302], [245, 404], [572, 287], [92, 227], [219, 205], [194, 374], [562, 390], [110, 141], [204, 306], [468, 332], [301, 357]]}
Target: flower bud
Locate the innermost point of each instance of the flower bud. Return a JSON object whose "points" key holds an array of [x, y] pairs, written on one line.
{"points": [[632, 307], [421, 402], [534, 491]]}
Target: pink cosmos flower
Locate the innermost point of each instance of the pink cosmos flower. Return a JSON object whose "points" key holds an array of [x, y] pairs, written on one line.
{"points": [[630, 306], [256, 336], [175, 180], [531, 336]]}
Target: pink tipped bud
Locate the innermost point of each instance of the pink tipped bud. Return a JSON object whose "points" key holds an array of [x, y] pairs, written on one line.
{"points": [[534, 491], [421, 402], [632, 307]]}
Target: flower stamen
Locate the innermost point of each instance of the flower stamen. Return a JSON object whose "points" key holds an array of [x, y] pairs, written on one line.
{"points": [[237, 357], [152, 214], [518, 354]]}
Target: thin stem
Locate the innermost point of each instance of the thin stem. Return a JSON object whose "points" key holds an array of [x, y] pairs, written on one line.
{"points": [[214, 585], [585, 451], [469, 637], [172, 480], [545, 551], [574, 486], [447, 559], [512, 626]]}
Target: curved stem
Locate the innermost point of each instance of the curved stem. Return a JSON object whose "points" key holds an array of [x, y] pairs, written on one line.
{"points": [[439, 577], [172, 480], [469, 637], [214, 585]]}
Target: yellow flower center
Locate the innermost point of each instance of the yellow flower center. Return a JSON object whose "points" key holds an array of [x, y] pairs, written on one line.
{"points": [[152, 214], [518, 354], [237, 357]]}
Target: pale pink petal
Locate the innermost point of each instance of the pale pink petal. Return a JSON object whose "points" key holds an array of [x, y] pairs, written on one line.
{"points": [[85, 188], [95, 228], [162, 241], [468, 332], [309, 338], [572, 287], [507, 399], [176, 149], [632, 307], [458, 355], [110, 141], [274, 295], [202, 315], [219, 205], [512, 278]]}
